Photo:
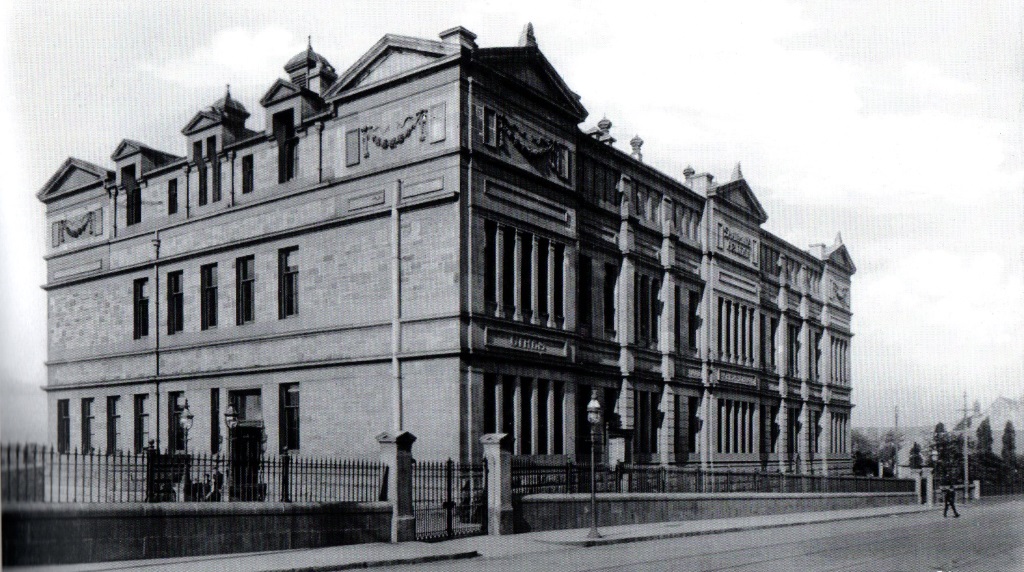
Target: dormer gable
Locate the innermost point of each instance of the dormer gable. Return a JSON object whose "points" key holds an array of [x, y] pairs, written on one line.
{"points": [[390, 57], [147, 158], [281, 90], [201, 121], [74, 175], [738, 194]]}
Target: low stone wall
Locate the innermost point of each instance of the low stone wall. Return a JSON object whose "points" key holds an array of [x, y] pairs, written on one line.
{"points": [[66, 533], [540, 512]]}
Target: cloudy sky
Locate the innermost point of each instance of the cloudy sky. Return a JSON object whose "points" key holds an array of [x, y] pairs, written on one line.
{"points": [[897, 123]]}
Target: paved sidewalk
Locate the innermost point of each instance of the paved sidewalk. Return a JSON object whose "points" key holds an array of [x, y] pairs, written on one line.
{"points": [[372, 555]]}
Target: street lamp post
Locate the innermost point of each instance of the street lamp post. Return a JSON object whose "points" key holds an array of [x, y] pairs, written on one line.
{"points": [[594, 417], [231, 420]]}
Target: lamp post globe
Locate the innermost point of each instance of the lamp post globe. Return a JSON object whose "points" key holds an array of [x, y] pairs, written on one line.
{"points": [[594, 417]]}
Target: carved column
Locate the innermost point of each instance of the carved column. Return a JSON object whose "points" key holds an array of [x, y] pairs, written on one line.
{"points": [[534, 415], [570, 255], [551, 284], [517, 272], [550, 396], [517, 414], [535, 280], [499, 403], [499, 271]]}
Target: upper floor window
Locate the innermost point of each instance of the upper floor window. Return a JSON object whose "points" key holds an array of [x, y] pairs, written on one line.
{"points": [[491, 137], [247, 175], [211, 155], [611, 275], [586, 300], [140, 297], [245, 289], [175, 303], [352, 151], [693, 322], [287, 144], [208, 296], [133, 195], [172, 196], [288, 281], [197, 154], [176, 437]]}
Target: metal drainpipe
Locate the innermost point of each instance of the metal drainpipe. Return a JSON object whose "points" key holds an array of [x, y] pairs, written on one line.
{"points": [[469, 258], [156, 324]]}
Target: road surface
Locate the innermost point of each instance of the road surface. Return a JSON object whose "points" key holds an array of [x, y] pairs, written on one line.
{"points": [[988, 537]]}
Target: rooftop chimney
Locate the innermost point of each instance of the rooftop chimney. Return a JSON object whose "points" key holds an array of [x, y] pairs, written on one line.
{"points": [[701, 183], [459, 36]]}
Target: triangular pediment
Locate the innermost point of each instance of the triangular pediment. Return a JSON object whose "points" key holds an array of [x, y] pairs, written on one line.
{"points": [[390, 57], [280, 91], [739, 194], [527, 66], [202, 120], [74, 174], [126, 148], [840, 256]]}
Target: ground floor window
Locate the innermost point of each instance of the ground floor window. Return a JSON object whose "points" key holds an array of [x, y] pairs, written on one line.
{"points": [[530, 409]]}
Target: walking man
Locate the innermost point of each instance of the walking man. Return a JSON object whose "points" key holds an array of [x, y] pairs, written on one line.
{"points": [[950, 497]]}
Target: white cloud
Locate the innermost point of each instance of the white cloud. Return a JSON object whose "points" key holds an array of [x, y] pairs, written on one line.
{"points": [[233, 55]]}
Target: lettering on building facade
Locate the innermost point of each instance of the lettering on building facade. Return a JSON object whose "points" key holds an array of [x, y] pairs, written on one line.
{"points": [[521, 342], [737, 243], [737, 378]]}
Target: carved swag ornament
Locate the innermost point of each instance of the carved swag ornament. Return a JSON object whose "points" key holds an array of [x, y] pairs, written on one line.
{"points": [[71, 228]]}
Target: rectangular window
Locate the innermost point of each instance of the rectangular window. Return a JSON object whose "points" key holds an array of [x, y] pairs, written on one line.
{"points": [[247, 175], [643, 315], [490, 261], [140, 298], [586, 300], [508, 277], [113, 423], [352, 151], [542, 278], [208, 296], [197, 156], [655, 308], [63, 425], [287, 143], [175, 303], [289, 417], [288, 282], [87, 425], [559, 279], [611, 274], [437, 122], [771, 338], [245, 289], [693, 319], [491, 387], [133, 195], [816, 361], [793, 341], [211, 155], [677, 326], [692, 423], [141, 423], [172, 196], [490, 127], [175, 434], [215, 420], [558, 417], [248, 405]]}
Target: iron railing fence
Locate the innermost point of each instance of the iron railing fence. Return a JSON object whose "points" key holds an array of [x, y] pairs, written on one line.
{"points": [[1000, 489], [449, 499], [32, 473], [530, 477]]}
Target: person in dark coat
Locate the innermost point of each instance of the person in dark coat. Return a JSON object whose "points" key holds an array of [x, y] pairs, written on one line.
{"points": [[950, 502]]}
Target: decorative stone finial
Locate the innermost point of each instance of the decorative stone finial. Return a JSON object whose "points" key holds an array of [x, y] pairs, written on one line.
{"points": [[636, 143], [689, 171], [839, 238], [527, 39], [605, 124], [737, 173]]}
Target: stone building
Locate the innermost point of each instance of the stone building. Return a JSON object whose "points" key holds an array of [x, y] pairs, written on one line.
{"points": [[429, 241]]}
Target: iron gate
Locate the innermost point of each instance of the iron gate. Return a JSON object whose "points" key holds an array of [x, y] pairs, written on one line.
{"points": [[449, 499]]}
